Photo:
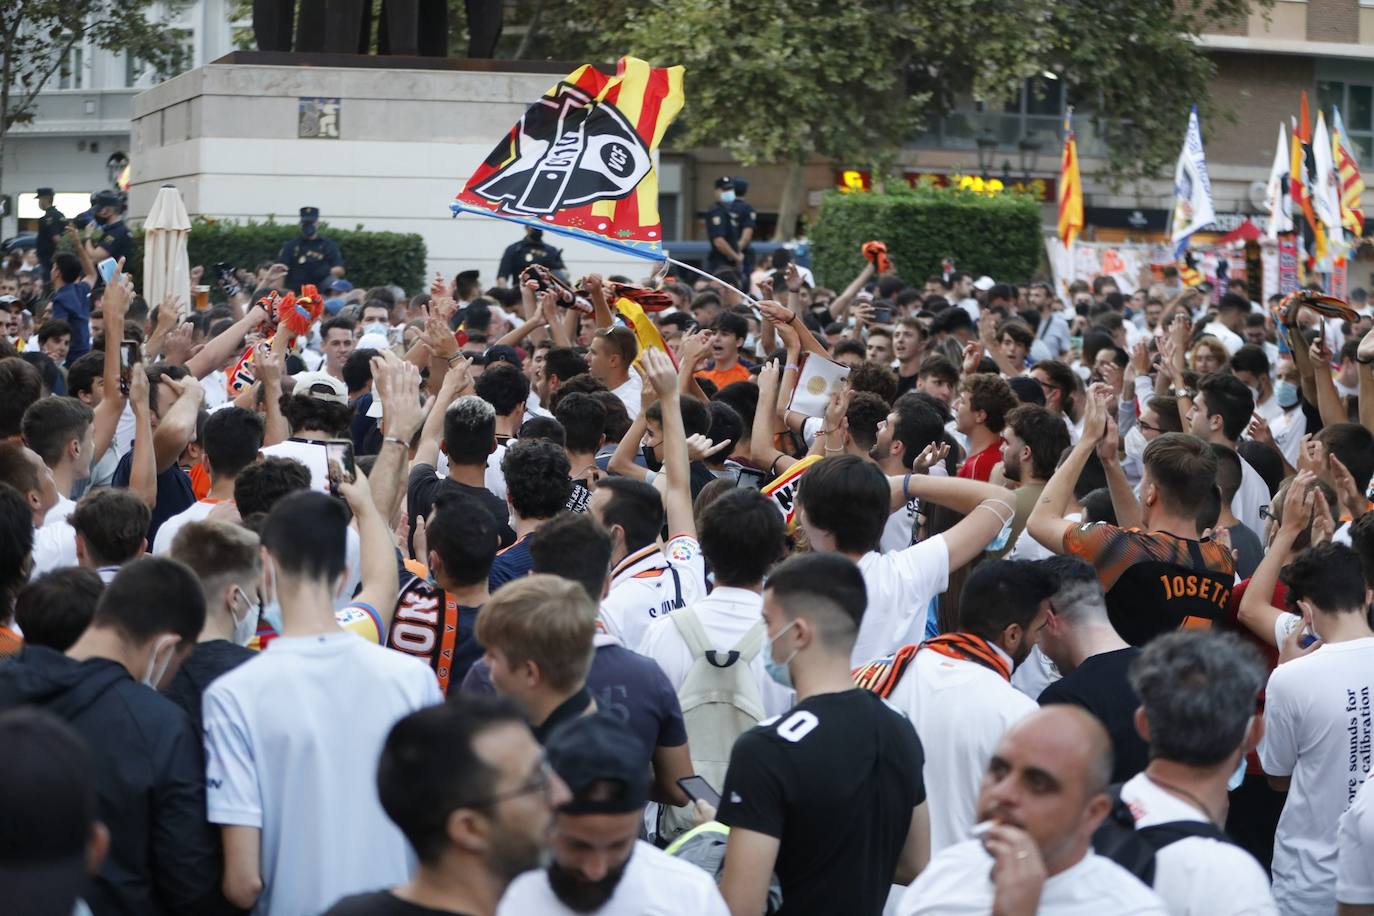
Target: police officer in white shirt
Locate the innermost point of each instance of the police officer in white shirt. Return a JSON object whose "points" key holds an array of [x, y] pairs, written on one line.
{"points": [[1042, 797], [843, 505], [599, 863], [648, 582], [1197, 691]]}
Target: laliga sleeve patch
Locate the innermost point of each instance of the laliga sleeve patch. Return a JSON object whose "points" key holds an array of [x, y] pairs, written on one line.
{"points": [[683, 550]]}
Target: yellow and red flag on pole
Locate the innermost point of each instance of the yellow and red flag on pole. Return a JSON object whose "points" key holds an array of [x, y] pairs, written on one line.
{"points": [[1070, 188], [1347, 175], [580, 160], [646, 332]]}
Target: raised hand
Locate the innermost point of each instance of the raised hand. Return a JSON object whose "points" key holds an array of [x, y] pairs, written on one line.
{"points": [[659, 372], [396, 383], [933, 454]]}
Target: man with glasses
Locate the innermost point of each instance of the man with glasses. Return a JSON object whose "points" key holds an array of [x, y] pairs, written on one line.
{"points": [[469, 787], [1058, 382]]}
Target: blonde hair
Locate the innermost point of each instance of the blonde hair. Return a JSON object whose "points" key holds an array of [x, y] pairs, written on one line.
{"points": [[1216, 346], [543, 619]]}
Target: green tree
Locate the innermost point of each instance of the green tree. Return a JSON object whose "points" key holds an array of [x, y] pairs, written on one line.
{"points": [[776, 81], [37, 38]]}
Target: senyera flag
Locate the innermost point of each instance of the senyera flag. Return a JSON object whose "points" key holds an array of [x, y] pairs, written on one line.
{"points": [[579, 162]]}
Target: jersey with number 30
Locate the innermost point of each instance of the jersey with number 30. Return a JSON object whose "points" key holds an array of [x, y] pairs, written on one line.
{"points": [[835, 780]]}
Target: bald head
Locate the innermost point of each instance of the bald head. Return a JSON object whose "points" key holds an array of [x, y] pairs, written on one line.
{"points": [[1047, 777]]}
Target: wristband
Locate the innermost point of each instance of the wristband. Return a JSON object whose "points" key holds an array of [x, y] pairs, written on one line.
{"points": [[458, 355], [398, 440], [791, 367]]}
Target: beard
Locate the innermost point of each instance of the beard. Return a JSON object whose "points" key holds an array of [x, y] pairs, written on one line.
{"points": [[580, 895], [512, 854]]}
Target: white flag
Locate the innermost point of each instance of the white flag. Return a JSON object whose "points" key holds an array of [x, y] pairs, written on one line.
{"points": [[1326, 193], [1276, 199], [1192, 189], [820, 378]]}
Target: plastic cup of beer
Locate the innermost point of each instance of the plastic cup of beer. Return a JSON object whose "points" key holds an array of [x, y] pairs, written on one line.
{"points": [[202, 297]]}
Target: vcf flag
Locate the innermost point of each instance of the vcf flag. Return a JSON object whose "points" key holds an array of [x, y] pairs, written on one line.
{"points": [[1325, 190], [1348, 173], [1192, 189], [1276, 191], [1070, 189], [580, 162]]}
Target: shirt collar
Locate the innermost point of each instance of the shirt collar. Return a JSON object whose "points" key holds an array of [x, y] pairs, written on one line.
{"points": [[569, 709], [644, 558]]}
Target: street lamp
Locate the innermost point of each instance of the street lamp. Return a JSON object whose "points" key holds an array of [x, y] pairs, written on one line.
{"points": [[114, 166], [987, 148], [1029, 149]]}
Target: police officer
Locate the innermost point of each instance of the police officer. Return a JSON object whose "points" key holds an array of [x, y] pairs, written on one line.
{"points": [[111, 238], [722, 229], [529, 250], [745, 220], [310, 258], [51, 225]]}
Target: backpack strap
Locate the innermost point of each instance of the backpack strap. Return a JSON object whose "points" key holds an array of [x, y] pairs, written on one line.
{"points": [[1161, 835], [690, 629], [748, 647], [698, 643]]}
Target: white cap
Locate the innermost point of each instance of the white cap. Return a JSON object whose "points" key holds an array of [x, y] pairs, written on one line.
{"points": [[321, 386], [984, 283], [371, 341]]}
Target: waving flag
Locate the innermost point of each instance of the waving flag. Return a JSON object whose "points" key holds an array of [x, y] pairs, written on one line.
{"points": [[1348, 171], [646, 332], [1070, 188], [1326, 194], [1276, 191], [580, 160], [1192, 189]]}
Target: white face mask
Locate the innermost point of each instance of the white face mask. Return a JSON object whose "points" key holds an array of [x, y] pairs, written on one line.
{"points": [[1135, 443], [270, 610], [166, 648], [377, 327], [247, 626]]}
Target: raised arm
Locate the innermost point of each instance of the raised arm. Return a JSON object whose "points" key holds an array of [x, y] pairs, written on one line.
{"points": [[691, 353], [88, 272], [456, 384], [376, 549], [596, 291], [221, 348], [986, 508], [177, 428], [1047, 523], [397, 384], [1365, 357], [269, 364], [1302, 358], [143, 467], [1328, 399], [1257, 613], [111, 406], [761, 449], [840, 305], [677, 500], [1124, 503]]}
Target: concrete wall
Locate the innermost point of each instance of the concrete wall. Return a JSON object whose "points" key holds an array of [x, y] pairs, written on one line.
{"points": [[226, 135]]}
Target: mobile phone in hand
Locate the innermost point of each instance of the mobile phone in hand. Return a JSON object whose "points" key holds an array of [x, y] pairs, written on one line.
{"points": [[107, 270], [698, 789], [339, 452], [128, 356], [882, 314]]}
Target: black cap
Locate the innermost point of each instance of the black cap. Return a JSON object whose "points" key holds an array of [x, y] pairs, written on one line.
{"points": [[467, 276], [534, 232], [1027, 389], [43, 192], [741, 185], [47, 789], [600, 749], [107, 198], [725, 183], [310, 214], [503, 353]]}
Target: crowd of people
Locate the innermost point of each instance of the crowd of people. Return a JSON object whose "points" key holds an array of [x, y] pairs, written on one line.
{"points": [[925, 596]]}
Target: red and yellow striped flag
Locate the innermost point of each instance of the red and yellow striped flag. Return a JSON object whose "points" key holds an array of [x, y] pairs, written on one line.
{"points": [[580, 160], [1348, 174], [1070, 189]]}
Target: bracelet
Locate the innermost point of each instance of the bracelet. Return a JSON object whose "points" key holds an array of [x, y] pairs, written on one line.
{"points": [[906, 487], [398, 440], [791, 367], [458, 355], [834, 451]]}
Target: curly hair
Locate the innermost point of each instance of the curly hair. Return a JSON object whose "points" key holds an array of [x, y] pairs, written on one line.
{"points": [[991, 394], [304, 412], [537, 481]]}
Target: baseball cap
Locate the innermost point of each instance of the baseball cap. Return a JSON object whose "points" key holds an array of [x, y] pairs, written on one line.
{"points": [[47, 791], [372, 341], [984, 283], [310, 214], [338, 285], [43, 192], [592, 750], [321, 386], [503, 353]]}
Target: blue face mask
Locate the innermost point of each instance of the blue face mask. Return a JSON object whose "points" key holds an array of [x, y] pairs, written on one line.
{"points": [[309, 230], [271, 610], [1286, 393], [1237, 777], [727, 197], [778, 671]]}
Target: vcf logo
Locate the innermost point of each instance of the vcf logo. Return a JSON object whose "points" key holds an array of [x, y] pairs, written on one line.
{"points": [[569, 151]]}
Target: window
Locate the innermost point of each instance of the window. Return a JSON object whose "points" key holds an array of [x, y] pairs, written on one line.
{"points": [[72, 73], [1356, 103]]}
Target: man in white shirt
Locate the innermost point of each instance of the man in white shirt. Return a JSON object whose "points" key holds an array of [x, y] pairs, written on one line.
{"points": [[230, 441], [1219, 413], [956, 688], [1197, 693], [53, 545], [599, 865], [292, 736], [1252, 366], [1230, 322], [612, 352], [741, 534], [1042, 797], [1355, 861], [467, 785], [60, 430], [317, 411], [646, 582], [843, 505], [1317, 724]]}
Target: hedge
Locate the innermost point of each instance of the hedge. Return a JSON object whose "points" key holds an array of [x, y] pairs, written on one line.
{"points": [[370, 258], [1000, 236]]}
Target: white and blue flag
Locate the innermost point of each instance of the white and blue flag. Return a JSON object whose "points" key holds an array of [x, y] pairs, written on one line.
{"points": [[1192, 190]]}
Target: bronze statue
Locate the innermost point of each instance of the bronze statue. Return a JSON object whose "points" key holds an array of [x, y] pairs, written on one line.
{"points": [[405, 27]]}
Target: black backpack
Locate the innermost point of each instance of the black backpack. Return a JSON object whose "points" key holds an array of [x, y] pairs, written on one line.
{"points": [[1134, 848]]}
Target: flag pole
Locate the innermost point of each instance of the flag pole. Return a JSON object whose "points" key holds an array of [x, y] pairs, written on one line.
{"points": [[714, 279]]}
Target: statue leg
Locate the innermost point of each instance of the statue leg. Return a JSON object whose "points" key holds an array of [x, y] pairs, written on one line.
{"points": [[310, 28], [434, 28], [484, 26], [401, 26], [272, 21], [343, 23]]}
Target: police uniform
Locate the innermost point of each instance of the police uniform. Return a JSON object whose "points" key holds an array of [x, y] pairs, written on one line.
{"points": [[309, 260], [722, 222], [745, 218], [50, 227], [529, 251], [115, 238]]}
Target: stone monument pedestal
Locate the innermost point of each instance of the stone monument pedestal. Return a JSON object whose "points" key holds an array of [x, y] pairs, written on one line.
{"points": [[384, 143]]}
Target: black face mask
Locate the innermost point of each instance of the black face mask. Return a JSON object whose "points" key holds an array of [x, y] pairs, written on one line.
{"points": [[650, 461], [580, 895], [310, 230]]}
